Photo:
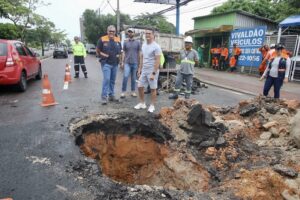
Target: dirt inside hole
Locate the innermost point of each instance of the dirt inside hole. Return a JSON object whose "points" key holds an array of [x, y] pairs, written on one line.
{"points": [[140, 160]]}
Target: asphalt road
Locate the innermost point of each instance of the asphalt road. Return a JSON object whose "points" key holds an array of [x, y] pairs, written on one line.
{"points": [[35, 145]]}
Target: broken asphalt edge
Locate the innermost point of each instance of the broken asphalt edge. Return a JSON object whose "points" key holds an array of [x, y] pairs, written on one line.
{"points": [[226, 87]]}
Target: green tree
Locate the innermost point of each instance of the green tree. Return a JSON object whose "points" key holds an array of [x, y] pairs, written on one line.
{"points": [[68, 42], [276, 10], [20, 12], [95, 25], [9, 31], [43, 32], [57, 37], [155, 21]]}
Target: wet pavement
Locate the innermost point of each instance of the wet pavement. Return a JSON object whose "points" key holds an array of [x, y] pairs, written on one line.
{"points": [[36, 147]]}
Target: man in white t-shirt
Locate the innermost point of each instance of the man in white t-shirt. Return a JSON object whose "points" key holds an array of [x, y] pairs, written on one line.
{"points": [[148, 70]]}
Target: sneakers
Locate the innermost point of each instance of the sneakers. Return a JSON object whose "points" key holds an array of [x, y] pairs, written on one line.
{"points": [[122, 95], [140, 106], [104, 101], [151, 109], [85, 75], [133, 94], [76, 76]]}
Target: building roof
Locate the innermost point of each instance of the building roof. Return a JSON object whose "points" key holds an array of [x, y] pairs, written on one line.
{"points": [[223, 28], [237, 11], [291, 21]]}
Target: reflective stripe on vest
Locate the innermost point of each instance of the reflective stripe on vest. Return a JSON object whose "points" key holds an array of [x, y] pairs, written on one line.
{"points": [[188, 61]]}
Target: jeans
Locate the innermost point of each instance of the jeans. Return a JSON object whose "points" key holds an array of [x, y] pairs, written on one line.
{"points": [[129, 69], [276, 82], [222, 63], [109, 79], [180, 78]]}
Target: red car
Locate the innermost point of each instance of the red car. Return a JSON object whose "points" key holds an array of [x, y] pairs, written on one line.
{"points": [[18, 64]]}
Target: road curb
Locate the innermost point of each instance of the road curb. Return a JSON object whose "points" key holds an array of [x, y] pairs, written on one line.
{"points": [[227, 87]]}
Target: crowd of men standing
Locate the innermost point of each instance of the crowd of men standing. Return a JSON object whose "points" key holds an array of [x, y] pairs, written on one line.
{"points": [[141, 62]]}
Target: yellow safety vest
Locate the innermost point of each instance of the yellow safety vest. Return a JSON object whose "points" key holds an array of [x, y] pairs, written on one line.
{"points": [[79, 49], [162, 60]]}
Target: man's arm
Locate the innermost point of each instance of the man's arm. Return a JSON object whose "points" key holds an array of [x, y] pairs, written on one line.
{"points": [[140, 66], [157, 63], [99, 49], [140, 58]]}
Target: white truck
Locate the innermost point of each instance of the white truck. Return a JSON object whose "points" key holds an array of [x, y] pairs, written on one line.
{"points": [[170, 44], [90, 48]]}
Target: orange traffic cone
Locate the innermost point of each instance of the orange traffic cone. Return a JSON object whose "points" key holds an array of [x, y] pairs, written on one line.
{"points": [[68, 73], [47, 98], [68, 78]]}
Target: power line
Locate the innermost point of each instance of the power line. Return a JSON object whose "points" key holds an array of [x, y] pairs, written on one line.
{"points": [[111, 6], [101, 4], [196, 9]]}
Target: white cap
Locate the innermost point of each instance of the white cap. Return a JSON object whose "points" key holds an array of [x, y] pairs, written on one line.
{"points": [[188, 39], [272, 45], [130, 29]]}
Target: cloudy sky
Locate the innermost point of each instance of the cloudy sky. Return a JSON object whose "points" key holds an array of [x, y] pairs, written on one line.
{"points": [[66, 13]]}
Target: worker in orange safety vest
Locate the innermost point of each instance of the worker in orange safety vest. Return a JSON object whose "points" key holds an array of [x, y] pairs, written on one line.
{"points": [[216, 53], [264, 51], [224, 57], [236, 52]]}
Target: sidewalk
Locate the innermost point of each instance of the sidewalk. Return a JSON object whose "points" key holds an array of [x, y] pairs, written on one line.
{"points": [[244, 83]]}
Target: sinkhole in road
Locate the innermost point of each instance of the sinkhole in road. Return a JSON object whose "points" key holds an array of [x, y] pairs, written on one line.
{"points": [[134, 150]]}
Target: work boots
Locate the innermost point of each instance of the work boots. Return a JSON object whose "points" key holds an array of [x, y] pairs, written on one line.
{"points": [[173, 96], [187, 95]]}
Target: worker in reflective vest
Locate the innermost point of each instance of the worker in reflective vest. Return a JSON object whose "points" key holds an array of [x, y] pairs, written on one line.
{"points": [[188, 57], [200, 55], [215, 53], [79, 53], [264, 52], [236, 52], [224, 57], [277, 72]]}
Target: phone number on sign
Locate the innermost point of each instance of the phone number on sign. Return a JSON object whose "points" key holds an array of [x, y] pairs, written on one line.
{"points": [[249, 58]]}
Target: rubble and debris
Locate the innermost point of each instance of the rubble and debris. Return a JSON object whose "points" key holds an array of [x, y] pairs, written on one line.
{"points": [[192, 151], [167, 83], [248, 110], [285, 171], [295, 129]]}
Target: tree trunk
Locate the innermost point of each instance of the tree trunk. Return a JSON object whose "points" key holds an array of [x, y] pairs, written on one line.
{"points": [[42, 48]]}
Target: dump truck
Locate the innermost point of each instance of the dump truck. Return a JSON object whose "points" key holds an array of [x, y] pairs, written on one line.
{"points": [[170, 44]]}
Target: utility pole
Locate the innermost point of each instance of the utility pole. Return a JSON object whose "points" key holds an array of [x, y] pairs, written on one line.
{"points": [[177, 16], [118, 17]]}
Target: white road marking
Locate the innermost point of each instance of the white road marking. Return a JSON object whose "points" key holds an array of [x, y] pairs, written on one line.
{"points": [[35, 159], [66, 85]]}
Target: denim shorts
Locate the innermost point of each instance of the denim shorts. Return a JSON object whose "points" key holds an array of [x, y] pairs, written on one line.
{"points": [[144, 80]]}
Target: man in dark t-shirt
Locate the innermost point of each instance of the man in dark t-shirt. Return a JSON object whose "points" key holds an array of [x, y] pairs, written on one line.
{"points": [[109, 49], [130, 62]]}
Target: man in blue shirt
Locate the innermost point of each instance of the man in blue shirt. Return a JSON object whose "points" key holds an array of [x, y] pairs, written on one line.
{"points": [[109, 49]]}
